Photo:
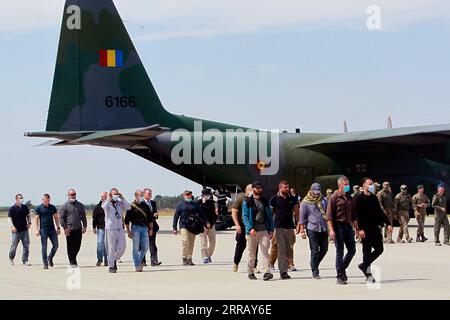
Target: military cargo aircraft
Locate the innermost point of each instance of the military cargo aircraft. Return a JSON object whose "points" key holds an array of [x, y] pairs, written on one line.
{"points": [[103, 96]]}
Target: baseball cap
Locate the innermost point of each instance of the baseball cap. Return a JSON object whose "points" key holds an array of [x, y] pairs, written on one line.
{"points": [[187, 192], [257, 184], [315, 188]]}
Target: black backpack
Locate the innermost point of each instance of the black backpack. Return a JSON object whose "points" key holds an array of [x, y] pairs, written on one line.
{"points": [[195, 224]]}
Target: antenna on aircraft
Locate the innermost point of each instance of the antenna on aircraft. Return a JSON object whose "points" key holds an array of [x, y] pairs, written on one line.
{"points": [[345, 126], [389, 122]]}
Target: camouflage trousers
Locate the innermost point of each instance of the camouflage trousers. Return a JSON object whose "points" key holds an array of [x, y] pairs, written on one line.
{"points": [[390, 216], [441, 219], [420, 217], [403, 218]]}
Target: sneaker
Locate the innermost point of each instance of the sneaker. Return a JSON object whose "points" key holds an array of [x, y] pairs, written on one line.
{"points": [[235, 267], [252, 276], [285, 276], [11, 262], [50, 262], [316, 276], [255, 270], [424, 239], [27, 264], [209, 260], [438, 244], [73, 266], [205, 261], [45, 266], [112, 270], [418, 239], [370, 279], [341, 281], [267, 276], [99, 263], [156, 264], [293, 269]]}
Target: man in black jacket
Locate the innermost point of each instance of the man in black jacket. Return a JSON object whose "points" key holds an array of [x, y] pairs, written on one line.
{"points": [[370, 218], [186, 211], [208, 237], [148, 195], [98, 224]]}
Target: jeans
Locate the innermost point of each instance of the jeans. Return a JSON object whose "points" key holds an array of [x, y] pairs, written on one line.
{"points": [[373, 240], [101, 247], [45, 235], [140, 243], [344, 236], [74, 245], [23, 236], [318, 244]]}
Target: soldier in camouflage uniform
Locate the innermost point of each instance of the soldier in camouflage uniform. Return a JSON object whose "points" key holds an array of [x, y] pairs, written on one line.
{"points": [[402, 205], [420, 204], [387, 204], [377, 187], [439, 203]]}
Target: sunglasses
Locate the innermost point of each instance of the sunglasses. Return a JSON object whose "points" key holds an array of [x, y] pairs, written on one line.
{"points": [[72, 194]]}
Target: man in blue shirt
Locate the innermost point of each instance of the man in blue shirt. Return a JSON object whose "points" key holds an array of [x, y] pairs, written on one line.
{"points": [[19, 220], [46, 219]]}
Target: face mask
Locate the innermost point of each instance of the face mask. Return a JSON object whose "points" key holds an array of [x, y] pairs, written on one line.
{"points": [[116, 197], [249, 194], [72, 200], [346, 188], [371, 188], [188, 200]]}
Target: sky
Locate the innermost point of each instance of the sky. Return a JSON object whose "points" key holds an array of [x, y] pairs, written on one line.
{"points": [[265, 64]]}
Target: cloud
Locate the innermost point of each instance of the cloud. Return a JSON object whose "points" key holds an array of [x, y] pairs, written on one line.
{"points": [[165, 19]]}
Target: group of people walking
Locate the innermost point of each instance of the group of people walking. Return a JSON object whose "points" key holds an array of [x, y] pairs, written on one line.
{"points": [[265, 227]]}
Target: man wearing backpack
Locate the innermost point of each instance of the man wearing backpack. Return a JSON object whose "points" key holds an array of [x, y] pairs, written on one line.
{"points": [[259, 227], [192, 222]]}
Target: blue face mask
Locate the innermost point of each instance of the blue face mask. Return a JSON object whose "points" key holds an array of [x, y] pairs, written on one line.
{"points": [[371, 188], [188, 200], [347, 188]]}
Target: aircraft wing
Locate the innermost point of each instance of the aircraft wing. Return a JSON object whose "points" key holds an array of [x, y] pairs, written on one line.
{"points": [[123, 138], [405, 137]]}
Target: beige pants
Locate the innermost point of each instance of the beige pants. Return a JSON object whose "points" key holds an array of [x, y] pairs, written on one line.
{"points": [[403, 217], [262, 239], [187, 243], [208, 242]]}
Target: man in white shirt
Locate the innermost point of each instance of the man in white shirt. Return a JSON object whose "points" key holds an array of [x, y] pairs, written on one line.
{"points": [[114, 208]]}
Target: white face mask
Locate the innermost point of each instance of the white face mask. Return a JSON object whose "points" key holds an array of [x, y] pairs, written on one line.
{"points": [[371, 188], [249, 194], [116, 197]]}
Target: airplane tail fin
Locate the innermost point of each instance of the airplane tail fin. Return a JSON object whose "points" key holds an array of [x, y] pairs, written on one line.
{"points": [[100, 82]]}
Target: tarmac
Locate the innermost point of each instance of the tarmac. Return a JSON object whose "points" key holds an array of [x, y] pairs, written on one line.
{"points": [[404, 271]]}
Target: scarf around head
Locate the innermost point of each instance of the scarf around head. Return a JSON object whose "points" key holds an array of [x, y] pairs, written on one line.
{"points": [[317, 200]]}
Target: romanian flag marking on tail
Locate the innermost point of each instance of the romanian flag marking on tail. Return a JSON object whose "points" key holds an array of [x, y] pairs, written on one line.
{"points": [[111, 58]]}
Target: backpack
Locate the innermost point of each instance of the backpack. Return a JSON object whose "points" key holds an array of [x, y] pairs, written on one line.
{"points": [[195, 224]]}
